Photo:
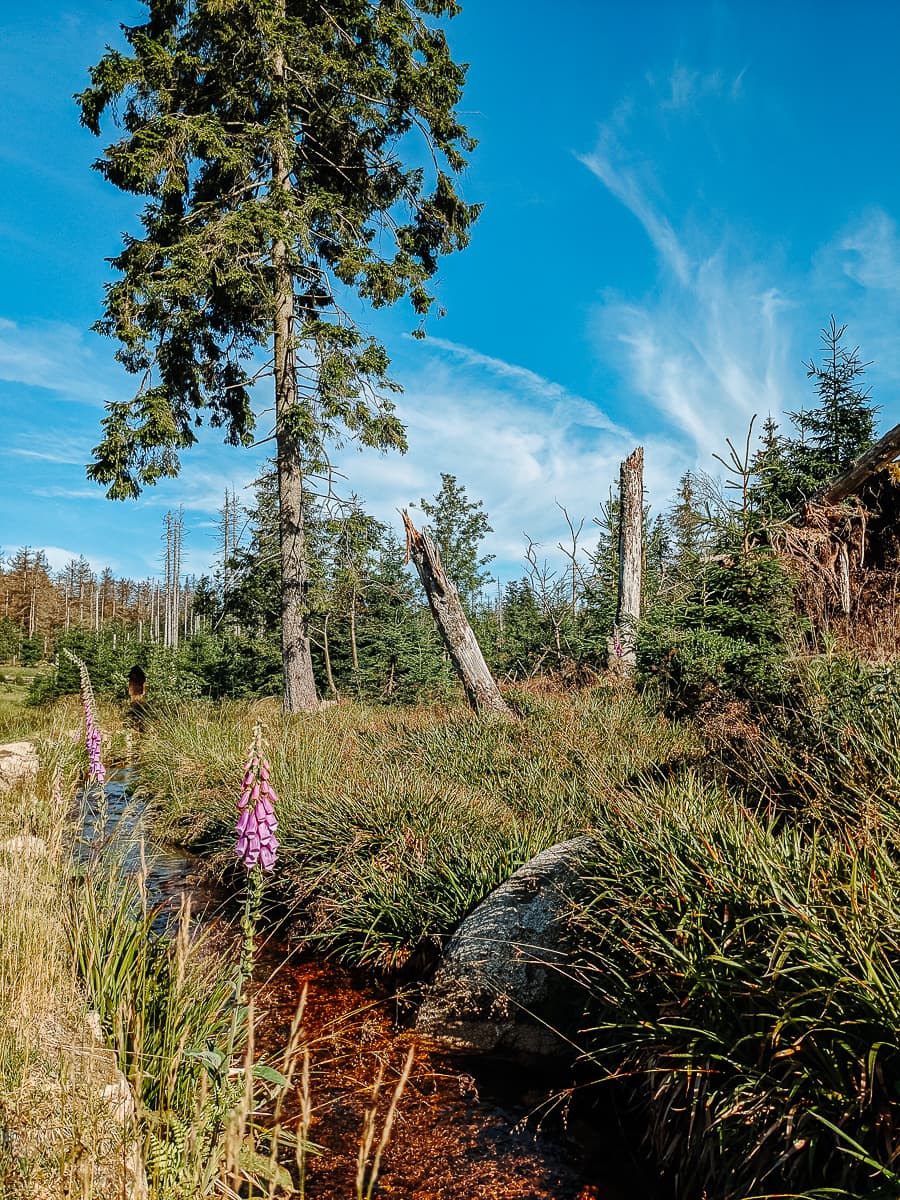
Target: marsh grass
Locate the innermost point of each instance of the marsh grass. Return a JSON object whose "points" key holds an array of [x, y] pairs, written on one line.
{"points": [[91, 984], [395, 823], [739, 927], [747, 972]]}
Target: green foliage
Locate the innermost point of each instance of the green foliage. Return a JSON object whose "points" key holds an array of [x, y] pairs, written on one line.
{"points": [[401, 658], [726, 637], [828, 438], [10, 639], [694, 665], [266, 144], [748, 975], [459, 526], [524, 633], [109, 655], [830, 752], [395, 823], [169, 1012], [32, 650]]}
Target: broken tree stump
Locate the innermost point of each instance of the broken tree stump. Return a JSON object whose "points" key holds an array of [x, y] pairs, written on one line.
{"points": [[623, 643], [137, 685], [480, 687]]}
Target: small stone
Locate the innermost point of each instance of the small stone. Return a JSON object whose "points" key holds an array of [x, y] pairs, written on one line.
{"points": [[95, 1027], [119, 1099], [18, 763]]}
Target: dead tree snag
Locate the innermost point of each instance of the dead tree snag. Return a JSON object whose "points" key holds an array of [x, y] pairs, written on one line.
{"points": [[481, 691], [622, 645]]}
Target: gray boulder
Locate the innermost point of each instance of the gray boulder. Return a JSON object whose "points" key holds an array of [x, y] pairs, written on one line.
{"points": [[504, 985], [18, 764]]}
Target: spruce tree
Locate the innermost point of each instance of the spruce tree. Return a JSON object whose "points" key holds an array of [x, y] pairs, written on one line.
{"points": [[843, 424], [458, 526], [268, 139], [827, 439], [774, 489]]}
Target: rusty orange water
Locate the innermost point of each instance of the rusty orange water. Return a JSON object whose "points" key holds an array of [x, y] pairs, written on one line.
{"points": [[448, 1141]]}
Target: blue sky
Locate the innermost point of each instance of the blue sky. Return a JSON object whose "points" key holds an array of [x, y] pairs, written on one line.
{"points": [[676, 199]]}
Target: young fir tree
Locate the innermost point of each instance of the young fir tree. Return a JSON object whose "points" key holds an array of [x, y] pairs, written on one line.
{"points": [[843, 424], [459, 526], [268, 137], [400, 654], [828, 438], [774, 488]]}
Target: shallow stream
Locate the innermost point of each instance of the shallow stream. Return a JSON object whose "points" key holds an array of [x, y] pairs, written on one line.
{"points": [[466, 1129]]}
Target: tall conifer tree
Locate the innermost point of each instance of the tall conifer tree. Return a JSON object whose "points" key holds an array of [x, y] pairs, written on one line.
{"points": [[267, 138]]}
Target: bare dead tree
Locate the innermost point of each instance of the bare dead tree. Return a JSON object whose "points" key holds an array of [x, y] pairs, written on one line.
{"points": [[622, 645], [480, 687], [550, 592]]}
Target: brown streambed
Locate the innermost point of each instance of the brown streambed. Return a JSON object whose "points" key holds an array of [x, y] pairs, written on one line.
{"points": [[464, 1129]]}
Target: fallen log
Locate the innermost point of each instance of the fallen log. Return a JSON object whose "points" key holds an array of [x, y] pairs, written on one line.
{"points": [[880, 455]]}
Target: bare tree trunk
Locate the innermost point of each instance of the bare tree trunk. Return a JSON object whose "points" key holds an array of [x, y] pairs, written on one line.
{"points": [[622, 648], [443, 599], [296, 655], [875, 458], [843, 576], [353, 650], [326, 651]]}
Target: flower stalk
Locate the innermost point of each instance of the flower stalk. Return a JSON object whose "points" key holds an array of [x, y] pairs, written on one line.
{"points": [[256, 845], [92, 739]]}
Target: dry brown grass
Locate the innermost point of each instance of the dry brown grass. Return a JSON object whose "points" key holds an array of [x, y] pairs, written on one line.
{"points": [[58, 1136]]}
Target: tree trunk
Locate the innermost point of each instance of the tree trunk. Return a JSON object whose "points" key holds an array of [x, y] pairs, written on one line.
{"points": [[481, 691], [296, 656], [354, 653], [326, 651], [622, 648], [874, 459], [842, 565]]}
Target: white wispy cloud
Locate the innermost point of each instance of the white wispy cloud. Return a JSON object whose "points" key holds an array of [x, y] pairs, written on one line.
{"points": [[468, 415], [61, 492], [858, 275], [687, 86], [710, 346], [52, 447], [624, 183], [545, 390], [57, 357], [871, 250]]}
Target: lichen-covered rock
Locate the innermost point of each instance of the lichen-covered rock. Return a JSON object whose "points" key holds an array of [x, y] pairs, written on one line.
{"points": [[18, 764], [504, 985]]}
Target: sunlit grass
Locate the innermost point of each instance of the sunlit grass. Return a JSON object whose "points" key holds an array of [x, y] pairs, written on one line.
{"points": [[57, 1136], [395, 823]]}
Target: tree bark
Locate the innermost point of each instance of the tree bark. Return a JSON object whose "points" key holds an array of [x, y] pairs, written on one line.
{"points": [[842, 570], [326, 651], [353, 650], [481, 691], [878, 456], [296, 655], [622, 648]]}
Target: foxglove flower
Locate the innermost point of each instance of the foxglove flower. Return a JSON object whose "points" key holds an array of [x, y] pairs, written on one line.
{"points": [[256, 842], [96, 769]]}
